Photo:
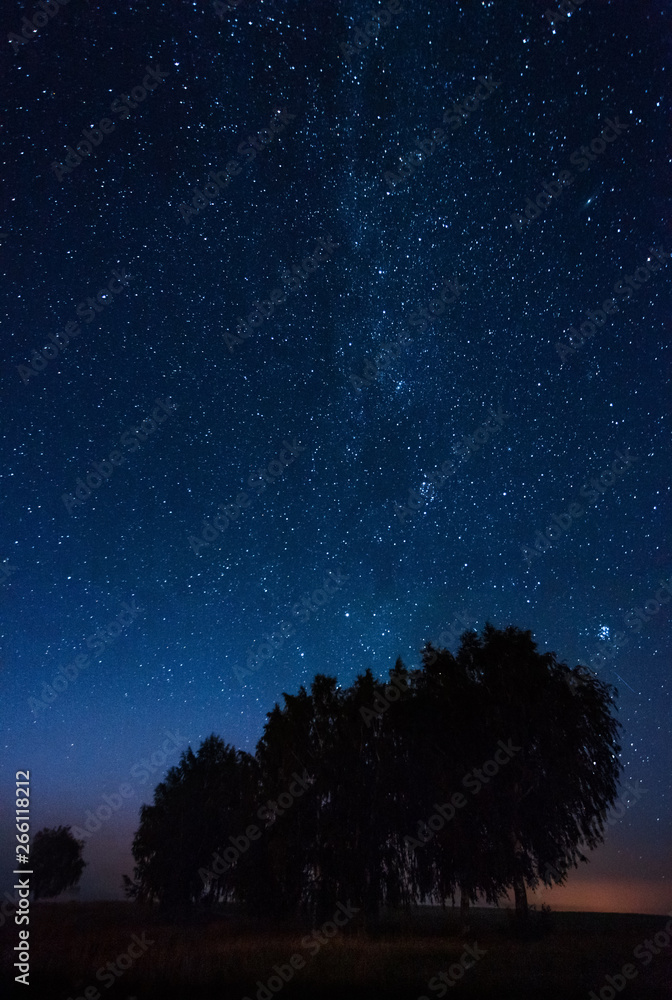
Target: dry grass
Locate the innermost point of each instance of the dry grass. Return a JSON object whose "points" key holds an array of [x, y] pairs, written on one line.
{"points": [[224, 958]]}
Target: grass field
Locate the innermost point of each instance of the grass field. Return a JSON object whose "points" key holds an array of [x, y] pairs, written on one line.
{"points": [[223, 958]]}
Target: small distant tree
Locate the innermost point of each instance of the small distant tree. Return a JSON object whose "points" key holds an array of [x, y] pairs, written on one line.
{"points": [[56, 860]]}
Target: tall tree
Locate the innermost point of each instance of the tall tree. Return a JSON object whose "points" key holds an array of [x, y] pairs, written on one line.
{"points": [[335, 843], [446, 739], [550, 799], [200, 803], [366, 793], [278, 873]]}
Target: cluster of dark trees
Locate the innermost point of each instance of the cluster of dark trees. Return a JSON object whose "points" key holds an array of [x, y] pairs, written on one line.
{"points": [[376, 760]]}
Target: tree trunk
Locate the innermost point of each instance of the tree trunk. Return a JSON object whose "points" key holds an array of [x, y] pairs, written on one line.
{"points": [[464, 908], [519, 891], [520, 895]]}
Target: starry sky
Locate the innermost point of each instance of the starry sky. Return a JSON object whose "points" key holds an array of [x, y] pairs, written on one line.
{"points": [[353, 424]]}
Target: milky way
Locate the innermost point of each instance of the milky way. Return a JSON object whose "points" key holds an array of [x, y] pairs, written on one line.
{"points": [[307, 353]]}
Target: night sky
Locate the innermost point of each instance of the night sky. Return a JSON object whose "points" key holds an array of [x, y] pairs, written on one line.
{"points": [[310, 434]]}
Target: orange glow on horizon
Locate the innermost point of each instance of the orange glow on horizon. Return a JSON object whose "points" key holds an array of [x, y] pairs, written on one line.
{"points": [[607, 896]]}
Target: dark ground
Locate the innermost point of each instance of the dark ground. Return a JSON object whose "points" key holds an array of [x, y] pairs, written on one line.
{"points": [[222, 957]]}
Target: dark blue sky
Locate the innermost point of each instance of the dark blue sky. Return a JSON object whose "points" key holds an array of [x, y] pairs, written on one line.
{"points": [[339, 457]]}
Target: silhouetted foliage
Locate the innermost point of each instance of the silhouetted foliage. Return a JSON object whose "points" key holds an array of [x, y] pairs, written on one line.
{"points": [[526, 746], [199, 804], [56, 861]]}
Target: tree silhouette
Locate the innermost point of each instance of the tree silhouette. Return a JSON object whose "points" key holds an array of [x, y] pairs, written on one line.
{"points": [[517, 753], [56, 861], [453, 846], [553, 795], [198, 805], [281, 865], [377, 873]]}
